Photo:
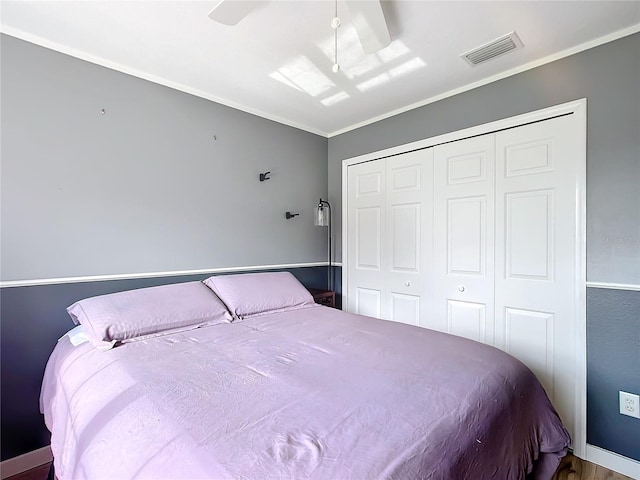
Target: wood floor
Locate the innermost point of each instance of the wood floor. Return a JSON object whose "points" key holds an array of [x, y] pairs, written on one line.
{"points": [[571, 468]]}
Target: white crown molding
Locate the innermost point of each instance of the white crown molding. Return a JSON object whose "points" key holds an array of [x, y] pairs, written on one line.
{"points": [[514, 71], [73, 52], [131, 276]]}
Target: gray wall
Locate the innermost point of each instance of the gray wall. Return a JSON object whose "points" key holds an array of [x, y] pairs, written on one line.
{"points": [[609, 77], [613, 341], [145, 187]]}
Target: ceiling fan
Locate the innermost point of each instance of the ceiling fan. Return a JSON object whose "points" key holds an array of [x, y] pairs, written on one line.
{"points": [[367, 17]]}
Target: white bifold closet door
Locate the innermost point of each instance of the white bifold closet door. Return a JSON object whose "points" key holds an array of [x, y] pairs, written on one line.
{"points": [[505, 248], [537, 254], [478, 238], [389, 241]]}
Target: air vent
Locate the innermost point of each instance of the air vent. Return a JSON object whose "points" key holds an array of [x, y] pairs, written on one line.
{"points": [[493, 49]]}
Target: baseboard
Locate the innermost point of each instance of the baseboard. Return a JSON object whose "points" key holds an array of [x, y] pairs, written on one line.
{"points": [[613, 461], [25, 462]]}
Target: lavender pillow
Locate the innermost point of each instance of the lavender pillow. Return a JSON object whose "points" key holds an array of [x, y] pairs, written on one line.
{"points": [[252, 294], [134, 314]]}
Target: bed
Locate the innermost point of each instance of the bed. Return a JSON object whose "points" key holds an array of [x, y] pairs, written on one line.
{"points": [[275, 386]]}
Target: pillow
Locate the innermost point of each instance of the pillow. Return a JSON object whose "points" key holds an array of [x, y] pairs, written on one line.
{"points": [[133, 314], [253, 294]]}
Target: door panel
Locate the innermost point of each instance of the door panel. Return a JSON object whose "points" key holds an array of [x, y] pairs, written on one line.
{"points": [[536, 261], [467, 319], [389, 223], [527, 158], [368, 302], [466, 168], [405, 178], [408, 206], [466, 222], [369, 184], [529, 337], [366, 238], [405, 308], [463, 238], [528, 235], [405, 243]]}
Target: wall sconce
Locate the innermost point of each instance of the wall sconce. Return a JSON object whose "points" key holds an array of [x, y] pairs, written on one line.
{"points": [[322, 218]]}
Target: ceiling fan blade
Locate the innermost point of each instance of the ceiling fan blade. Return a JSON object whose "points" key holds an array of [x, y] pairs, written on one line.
{"points": [[230, 12], [368, 20]]}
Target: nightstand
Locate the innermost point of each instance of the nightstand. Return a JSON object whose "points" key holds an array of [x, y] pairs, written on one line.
{"points": [[324, 297]]}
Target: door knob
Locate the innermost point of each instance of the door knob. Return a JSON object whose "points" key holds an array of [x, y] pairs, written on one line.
{"points": [[407, 283], [461, 288]]}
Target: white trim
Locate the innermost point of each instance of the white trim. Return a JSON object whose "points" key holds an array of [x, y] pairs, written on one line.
{"points": [[343, 233], [118, 67], [25, 462], [37, 40], [579, 441], [613, 461], [579, 109], [130, 276], [494, 78], [615, 286]]}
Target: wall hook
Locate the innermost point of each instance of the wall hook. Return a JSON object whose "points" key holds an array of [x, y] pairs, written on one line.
{"points": [[289, 215], [265, 176]]}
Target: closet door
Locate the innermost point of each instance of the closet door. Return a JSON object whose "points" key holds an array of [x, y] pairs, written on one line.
{"points": [[463, 258], [408, 235], [537, 253], [389, 218], [485, 245], [366, 239]]}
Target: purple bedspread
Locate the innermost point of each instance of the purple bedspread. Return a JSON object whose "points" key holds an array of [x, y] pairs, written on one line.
{"points": [[312, 393]]}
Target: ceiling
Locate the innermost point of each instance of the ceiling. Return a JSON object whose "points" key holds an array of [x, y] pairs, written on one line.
{"points": [[277, 62]]}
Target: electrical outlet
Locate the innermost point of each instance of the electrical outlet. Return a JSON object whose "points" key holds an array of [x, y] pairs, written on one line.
{"points": [[629, 404]]}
